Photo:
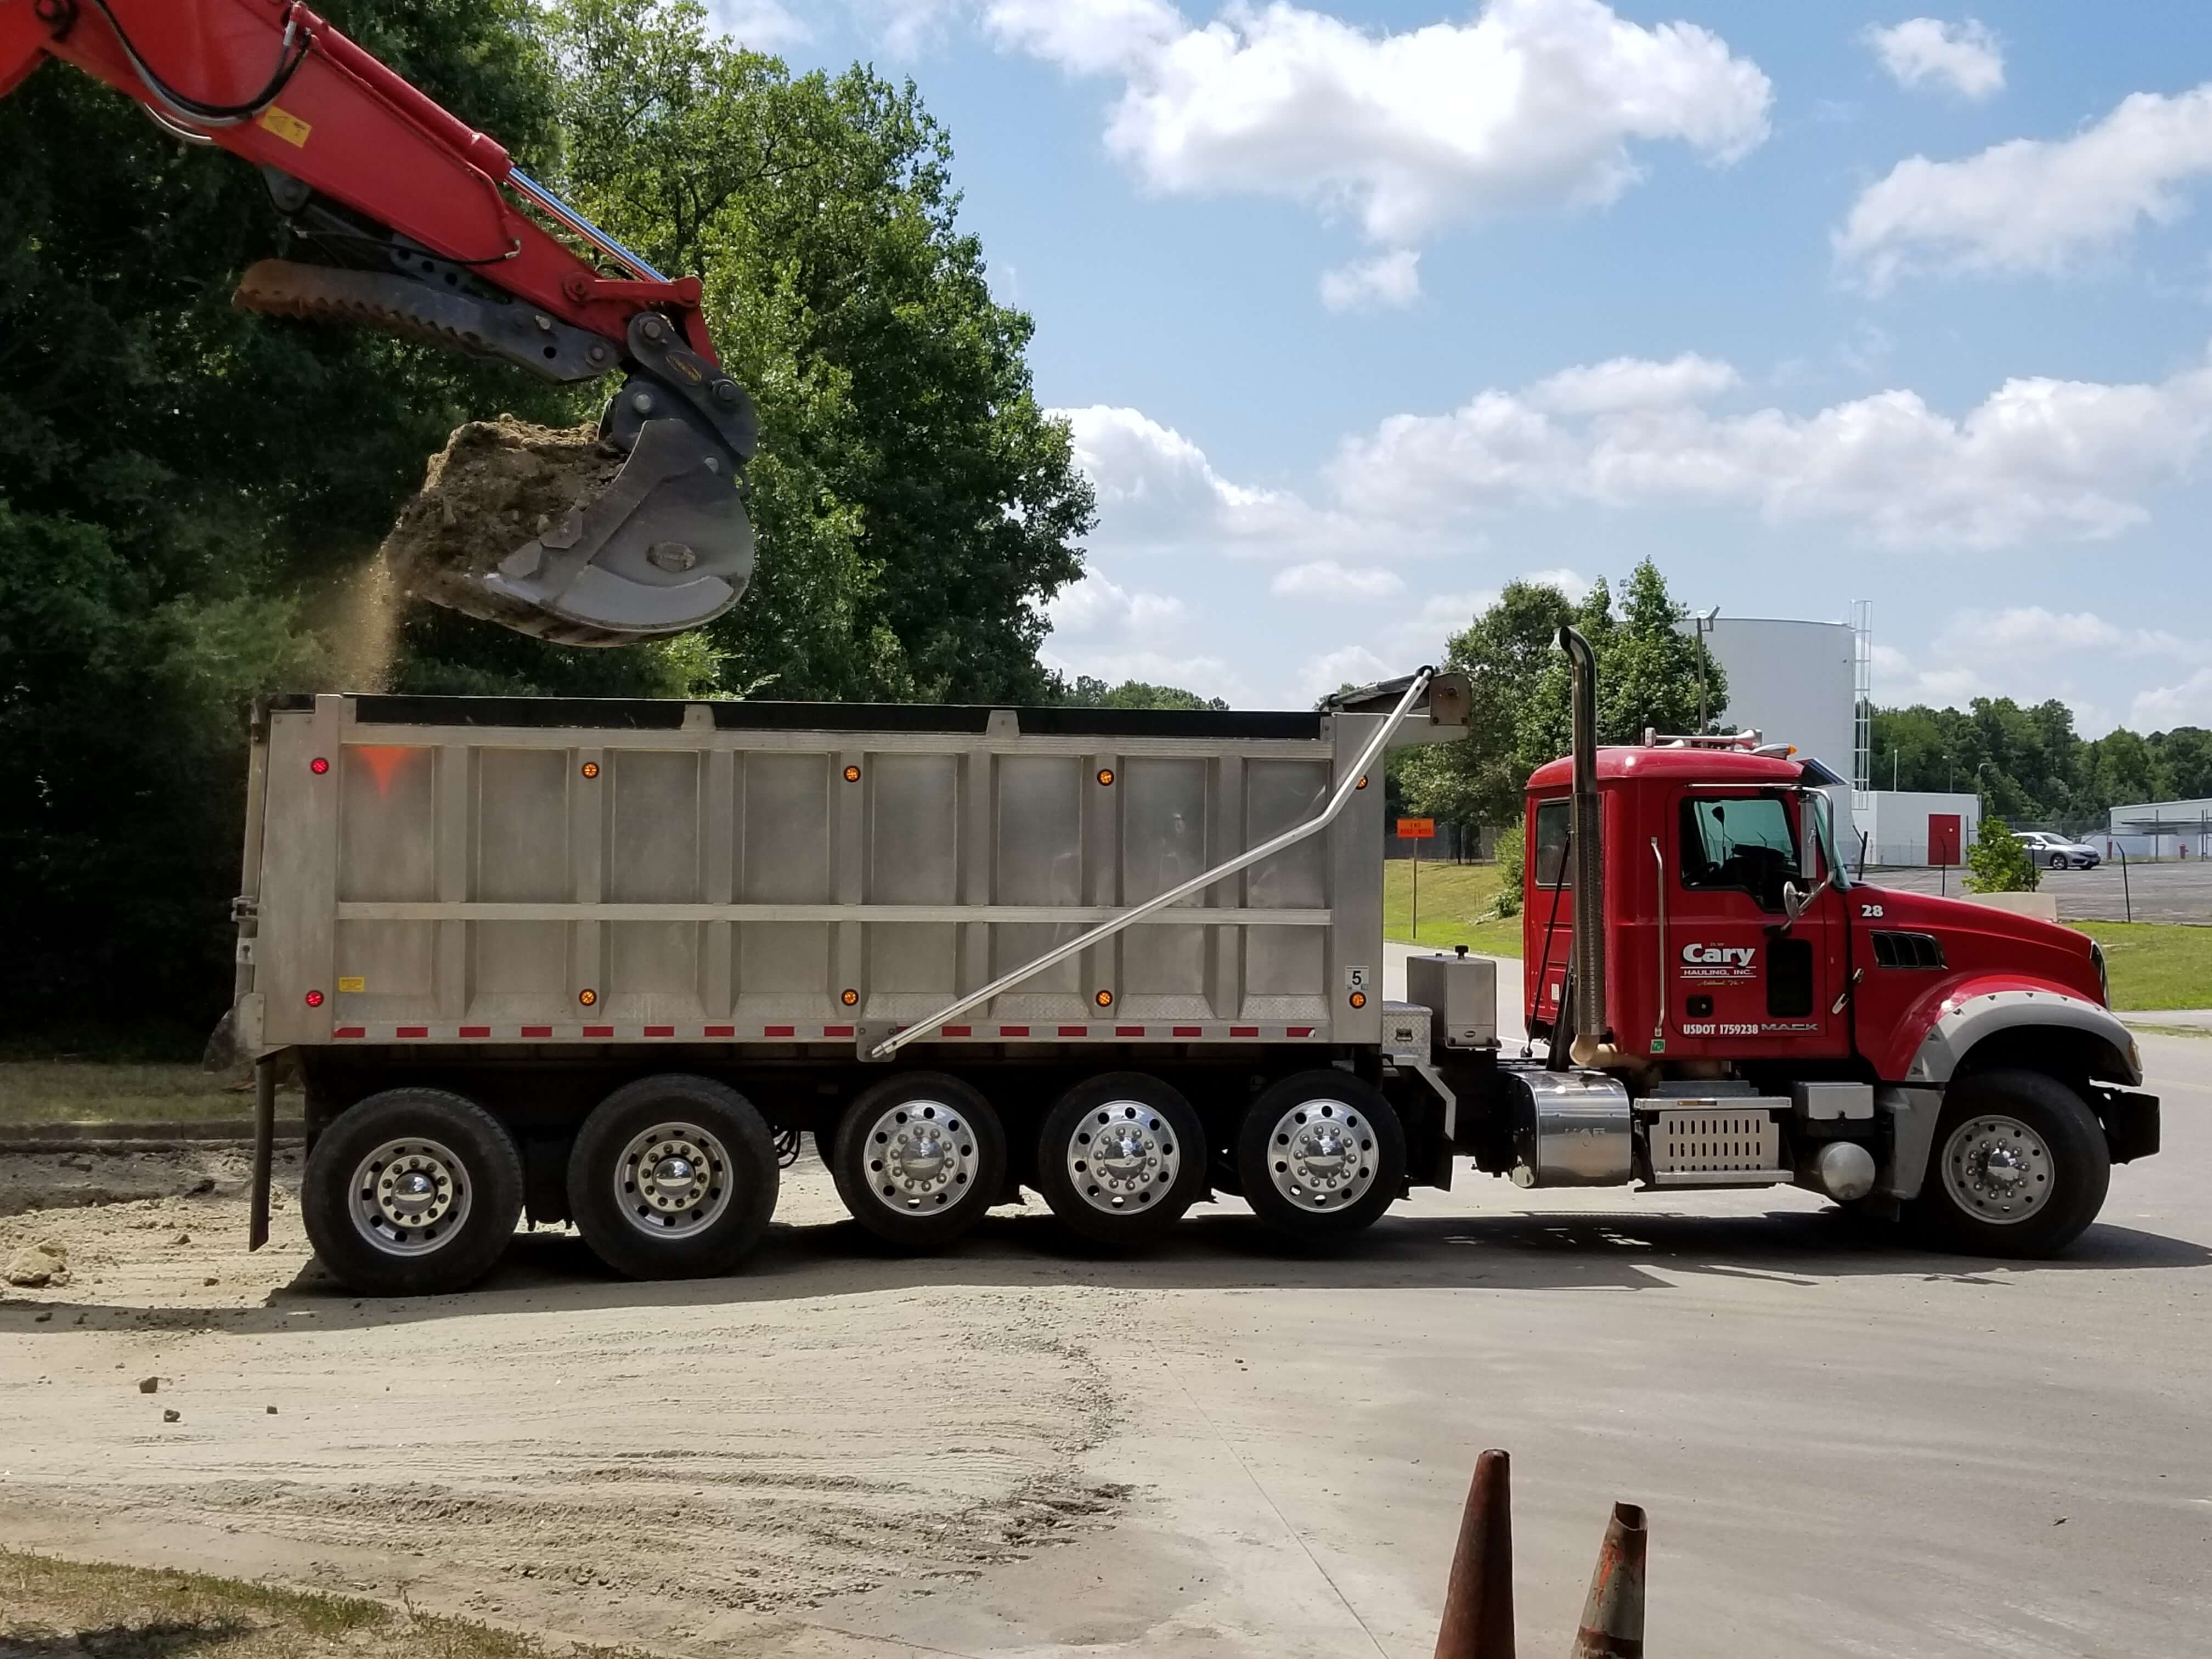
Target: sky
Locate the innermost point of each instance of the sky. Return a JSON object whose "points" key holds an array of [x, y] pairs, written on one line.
{"points": [[1359, 311]]}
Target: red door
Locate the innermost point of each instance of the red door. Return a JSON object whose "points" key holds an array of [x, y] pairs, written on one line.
{"points": [[1942, 838]]}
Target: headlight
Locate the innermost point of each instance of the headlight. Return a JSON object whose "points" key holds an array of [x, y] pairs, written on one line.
{"points": [[2097, 961]]}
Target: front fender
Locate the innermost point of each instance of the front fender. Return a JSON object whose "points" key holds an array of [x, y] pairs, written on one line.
{"points": [[1966, 1019]]}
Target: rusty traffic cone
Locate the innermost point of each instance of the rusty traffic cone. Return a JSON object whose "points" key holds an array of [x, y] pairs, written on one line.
{"points": [[1477, 1621], [1612, 1617]]}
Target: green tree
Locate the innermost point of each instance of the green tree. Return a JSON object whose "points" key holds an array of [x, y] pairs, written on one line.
{"points": [[1996, 863], [1089, 693]]}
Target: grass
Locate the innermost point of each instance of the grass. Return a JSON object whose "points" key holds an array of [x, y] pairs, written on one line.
{"points": [[101, 1092], [1456, 901], [52, 1607], [2154, 964]]}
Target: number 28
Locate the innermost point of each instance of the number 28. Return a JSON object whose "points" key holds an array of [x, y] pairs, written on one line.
{"points": [[1870, 912]]}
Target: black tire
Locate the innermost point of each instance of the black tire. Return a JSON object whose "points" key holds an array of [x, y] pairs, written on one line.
{"points": [[2059, 1169], [1328, 1115], [1161, 1175], [470, 1177], [957, 1153], [704, 1215], [2058, 860]]}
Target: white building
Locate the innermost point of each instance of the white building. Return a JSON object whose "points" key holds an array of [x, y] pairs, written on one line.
{"points": [[1906, 826], [2158, 829], [1792, 682]]}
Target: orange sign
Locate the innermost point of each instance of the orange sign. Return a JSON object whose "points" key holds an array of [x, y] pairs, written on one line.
{"points": [[1417, 828]]}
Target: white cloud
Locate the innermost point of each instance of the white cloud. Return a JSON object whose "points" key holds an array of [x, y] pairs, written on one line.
{"points": [[905, 27], [1391, 279], [1966, 57], [1534, 103], [2165, 707], [1325, 578], [2033, 204], [1622, 383], [762, 25], [1352, 665], [1096, 606], [1208, 675], [2037, 457]]}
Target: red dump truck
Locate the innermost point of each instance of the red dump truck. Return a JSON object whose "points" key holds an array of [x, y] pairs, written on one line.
{"points": [[606, 963]]}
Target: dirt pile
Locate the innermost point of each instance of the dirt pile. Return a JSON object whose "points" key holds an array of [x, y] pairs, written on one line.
{"points": [[496, 485], [37, 1265]]}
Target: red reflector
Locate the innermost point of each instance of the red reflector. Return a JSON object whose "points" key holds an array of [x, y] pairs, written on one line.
{"points": [[660, 1031], [1243, 1031], [1013, 1030], [319, 766], [1298, 1031], [314, 998], [475, 1031], [1075, 1031], [955, 1030], [538, 1030], [721, 1030], [411, 1031], [779, 1030], [836, 1030], [1128, 1031], [598, 1030], [350, 1031], [1190, 1031]]}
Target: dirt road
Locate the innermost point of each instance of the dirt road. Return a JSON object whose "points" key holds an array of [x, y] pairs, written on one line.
{"points": [[1848, 1448]]}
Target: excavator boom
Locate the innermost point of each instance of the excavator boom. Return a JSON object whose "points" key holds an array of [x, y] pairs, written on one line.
{"points": [[425, 227]]}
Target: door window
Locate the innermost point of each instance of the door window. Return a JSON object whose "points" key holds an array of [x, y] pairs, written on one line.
{"points": [[1743, 845], [1552, 845]]}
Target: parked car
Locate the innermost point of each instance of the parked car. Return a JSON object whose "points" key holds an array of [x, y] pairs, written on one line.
{"points": [[2056, 852]]}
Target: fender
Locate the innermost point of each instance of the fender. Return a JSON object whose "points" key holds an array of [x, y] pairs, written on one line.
{"points": [[1970, 1015]]}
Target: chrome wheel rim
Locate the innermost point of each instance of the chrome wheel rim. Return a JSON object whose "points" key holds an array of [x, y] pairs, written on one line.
{"points": [[1997, 1169], [1123, 1158], [410, 1197], [1320, 1155], [921, 1157], [672, 1180]]}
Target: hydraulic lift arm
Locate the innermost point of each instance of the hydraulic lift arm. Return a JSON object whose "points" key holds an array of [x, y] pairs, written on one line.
{"points": [[431, 232]]}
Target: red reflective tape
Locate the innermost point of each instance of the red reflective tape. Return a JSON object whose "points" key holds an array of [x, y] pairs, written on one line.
{"points": [[413, 1031], [350, 1031], [779, 1030], [475, 1031], [1298, 1031], [1128, 1031], [1013, 1030], [836, 1030], [1190, 1031], [721, 1030], [955, 1030], [660, 1031], [1075, 1031], [1243, 1031], [538, 1030], [598, 1030]]}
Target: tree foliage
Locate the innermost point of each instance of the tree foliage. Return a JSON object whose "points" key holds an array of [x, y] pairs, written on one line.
{"points": [[189, 495], [2030, 766], [1998, 863], [1089, 693], [1647, 678]]}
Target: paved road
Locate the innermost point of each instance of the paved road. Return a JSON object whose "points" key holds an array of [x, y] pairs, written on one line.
{"points": [[2158, 892]]}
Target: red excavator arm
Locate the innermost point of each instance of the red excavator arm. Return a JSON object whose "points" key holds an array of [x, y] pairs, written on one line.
{"points": [[432, 232]]}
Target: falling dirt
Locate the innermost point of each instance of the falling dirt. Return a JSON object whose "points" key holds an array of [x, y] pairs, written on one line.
{"points": [[365, 633], [496, 484]]}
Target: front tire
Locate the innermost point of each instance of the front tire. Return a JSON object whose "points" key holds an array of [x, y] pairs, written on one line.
{"points": [[1321, 1156], [2058, 860], [1121, 1158], [672, 1177], [2019, 1167], [414, 1192], [918, 1158]]}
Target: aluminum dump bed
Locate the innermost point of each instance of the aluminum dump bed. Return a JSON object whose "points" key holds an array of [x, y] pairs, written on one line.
{"points": [[502, 872]]}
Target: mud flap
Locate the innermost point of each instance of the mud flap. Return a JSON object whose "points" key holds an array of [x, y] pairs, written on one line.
{"points": [[265, 1148], [2130, 1123]]}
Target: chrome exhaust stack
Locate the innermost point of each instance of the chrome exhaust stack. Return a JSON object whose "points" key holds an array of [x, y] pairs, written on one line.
{"points": [[1593, 1042]]}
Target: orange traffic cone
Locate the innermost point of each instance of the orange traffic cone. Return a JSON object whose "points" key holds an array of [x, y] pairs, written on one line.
{"points": [[1612, 1617], [1477, 1621]]}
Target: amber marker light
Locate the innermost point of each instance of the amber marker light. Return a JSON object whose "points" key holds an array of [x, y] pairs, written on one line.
{"points": [[587, 996], [1362, 784], [590, 769], [1359, 998], [1105, 999], [852, 774], [849, 997], [1106, 776]]}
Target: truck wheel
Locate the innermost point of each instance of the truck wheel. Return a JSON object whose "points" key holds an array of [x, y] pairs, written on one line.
{"points": [[1121, 1158], [414, 1192], [672, 1177], [1322, 1155], [918, 1158], [2019, 1167]]}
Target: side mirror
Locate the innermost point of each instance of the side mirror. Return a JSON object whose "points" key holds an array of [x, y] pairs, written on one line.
{"points": [[1795, 899]]}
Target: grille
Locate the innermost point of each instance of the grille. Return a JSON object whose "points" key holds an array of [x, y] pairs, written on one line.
{"points": [[1892, 950], [1709, 1143]]}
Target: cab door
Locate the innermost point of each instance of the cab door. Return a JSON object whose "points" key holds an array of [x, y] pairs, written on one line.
{"points": [[1743, 978]]}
